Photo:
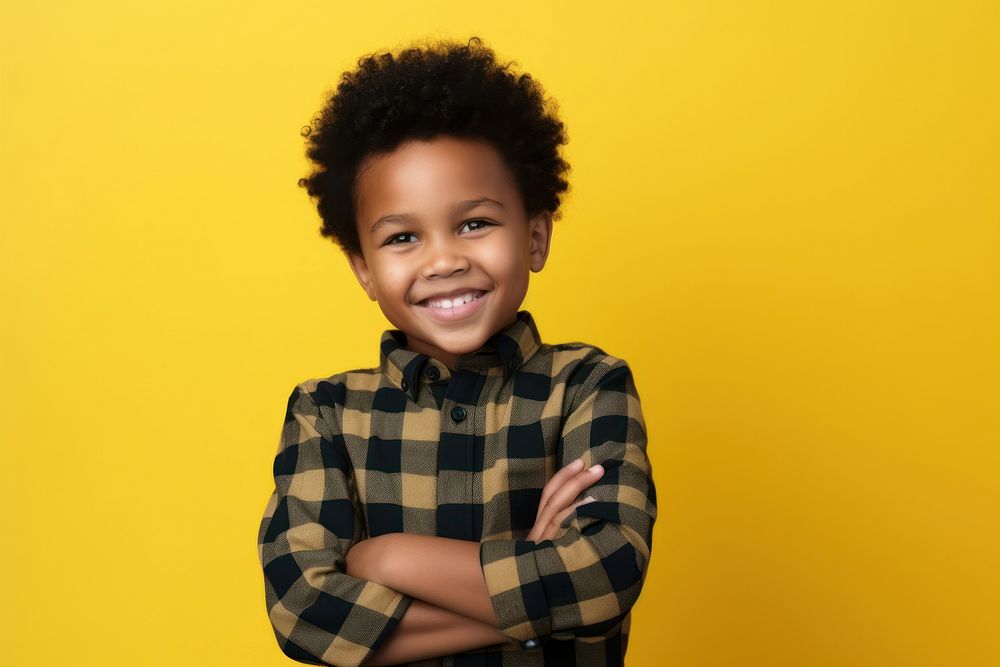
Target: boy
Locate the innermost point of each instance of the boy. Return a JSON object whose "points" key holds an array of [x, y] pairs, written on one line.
{"points": [[425, 511]]}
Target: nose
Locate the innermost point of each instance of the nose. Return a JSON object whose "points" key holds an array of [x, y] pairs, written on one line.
{"points": [[443, 260]]}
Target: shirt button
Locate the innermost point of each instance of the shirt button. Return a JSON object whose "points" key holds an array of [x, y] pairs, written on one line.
{"points": [[458, 413], [433, 373], [529, 643], [405, 385]]}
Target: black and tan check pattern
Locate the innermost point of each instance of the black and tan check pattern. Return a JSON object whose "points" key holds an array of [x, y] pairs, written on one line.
{"points": [[413, 446]]}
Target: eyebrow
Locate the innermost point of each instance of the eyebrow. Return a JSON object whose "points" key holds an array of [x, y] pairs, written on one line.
{"points": [[457, 208]]}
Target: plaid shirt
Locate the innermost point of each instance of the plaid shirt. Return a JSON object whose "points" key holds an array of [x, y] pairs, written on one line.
{"points": [[413, 446]]}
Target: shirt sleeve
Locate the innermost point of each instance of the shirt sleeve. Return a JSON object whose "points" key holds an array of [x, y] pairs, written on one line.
{"points": [[584, 582], [319, 613]]}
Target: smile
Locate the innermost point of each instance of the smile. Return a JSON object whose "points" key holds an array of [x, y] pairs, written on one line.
{"points": [[458, 307]]}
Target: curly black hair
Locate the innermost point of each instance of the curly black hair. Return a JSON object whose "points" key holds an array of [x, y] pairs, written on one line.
{"points": [[440, 88]]}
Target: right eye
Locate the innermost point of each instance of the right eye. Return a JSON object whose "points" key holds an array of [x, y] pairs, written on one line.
{"points": [[392, 239]]}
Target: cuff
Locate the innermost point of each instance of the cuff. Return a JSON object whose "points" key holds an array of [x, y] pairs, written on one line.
{"points": [[381, 608], [515, 589]]}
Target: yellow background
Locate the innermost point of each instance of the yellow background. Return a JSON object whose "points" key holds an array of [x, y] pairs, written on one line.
{"points": [[784, 215]]}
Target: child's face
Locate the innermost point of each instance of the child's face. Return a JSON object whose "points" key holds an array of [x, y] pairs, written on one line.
{"points": [[435, 246]]}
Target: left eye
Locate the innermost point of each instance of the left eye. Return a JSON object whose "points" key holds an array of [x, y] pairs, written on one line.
{"points": [[481, 222]]}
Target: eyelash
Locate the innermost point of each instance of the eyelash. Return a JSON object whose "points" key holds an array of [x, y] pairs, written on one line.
{"points": [[486, 223]]}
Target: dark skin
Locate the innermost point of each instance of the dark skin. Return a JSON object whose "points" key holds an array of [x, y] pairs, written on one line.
{"points": [[443, 216], [452, 611], [435, 217]]}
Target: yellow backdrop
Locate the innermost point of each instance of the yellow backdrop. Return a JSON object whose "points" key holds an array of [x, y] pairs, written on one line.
{"points": [[784, 215]]}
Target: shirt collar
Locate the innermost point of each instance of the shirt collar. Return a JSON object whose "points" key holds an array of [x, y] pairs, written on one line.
{"points": [[506, 349]]}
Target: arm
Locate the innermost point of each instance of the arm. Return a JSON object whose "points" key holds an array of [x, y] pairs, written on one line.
{"points": [[447, 572], [427, 631], [319, 613], [440, 570], [585, 581]]}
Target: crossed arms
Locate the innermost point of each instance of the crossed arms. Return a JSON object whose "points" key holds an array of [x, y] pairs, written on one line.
{"points": [[452, 611], [580, 583]]}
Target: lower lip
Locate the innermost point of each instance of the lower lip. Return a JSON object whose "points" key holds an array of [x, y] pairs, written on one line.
{"points": [[458, 312]]}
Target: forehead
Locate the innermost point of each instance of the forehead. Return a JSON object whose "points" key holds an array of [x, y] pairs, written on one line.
{"points": [[430, 175]]}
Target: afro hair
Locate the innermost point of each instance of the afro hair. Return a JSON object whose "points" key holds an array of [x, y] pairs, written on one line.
{"points": [[442, 88]]}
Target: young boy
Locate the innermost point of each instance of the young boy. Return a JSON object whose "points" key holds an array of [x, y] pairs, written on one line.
{"points": [[425, 511]]}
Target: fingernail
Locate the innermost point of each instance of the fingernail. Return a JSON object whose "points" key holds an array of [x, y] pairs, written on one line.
{"points": [[578, 463], [596, 468], [589, 499]]}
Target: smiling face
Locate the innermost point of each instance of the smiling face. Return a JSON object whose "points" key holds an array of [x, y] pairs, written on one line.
{"points": [[444, 218]]}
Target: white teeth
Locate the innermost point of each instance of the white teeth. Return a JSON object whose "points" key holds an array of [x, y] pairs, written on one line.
{"points": [[453, 301]]}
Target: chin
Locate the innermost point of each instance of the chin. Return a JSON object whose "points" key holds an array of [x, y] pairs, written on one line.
{"points": [[460, 341]]}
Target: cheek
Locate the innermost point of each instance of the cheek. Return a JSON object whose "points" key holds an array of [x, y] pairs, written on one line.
{"points": [[508, 257], [393, 279], [516, 268]]}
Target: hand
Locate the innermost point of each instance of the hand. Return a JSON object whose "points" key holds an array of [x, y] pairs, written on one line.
{"points": [[557, 498]]}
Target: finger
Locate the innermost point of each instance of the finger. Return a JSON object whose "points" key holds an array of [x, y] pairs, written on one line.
{"points": [[553, 485], [561, 477], [555, 527], [571, 490], [563, 499], [561, 517]]}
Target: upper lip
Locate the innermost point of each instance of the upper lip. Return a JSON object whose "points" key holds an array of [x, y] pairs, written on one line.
{"points": [[451, 293]]}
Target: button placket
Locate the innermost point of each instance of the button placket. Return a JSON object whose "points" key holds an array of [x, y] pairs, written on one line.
{"points": [[456, 481]]}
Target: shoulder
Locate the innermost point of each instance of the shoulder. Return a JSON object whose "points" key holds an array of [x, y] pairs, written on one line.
{"points": [[328, 395], [582, 367], [325, 398], [333, 389]]}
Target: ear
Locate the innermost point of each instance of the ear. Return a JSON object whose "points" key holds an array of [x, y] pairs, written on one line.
{"points": [[539, 240], [360, 268]]}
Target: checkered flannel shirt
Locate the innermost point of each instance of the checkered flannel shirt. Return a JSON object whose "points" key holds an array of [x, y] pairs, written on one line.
{"points": [[413, 446]]}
